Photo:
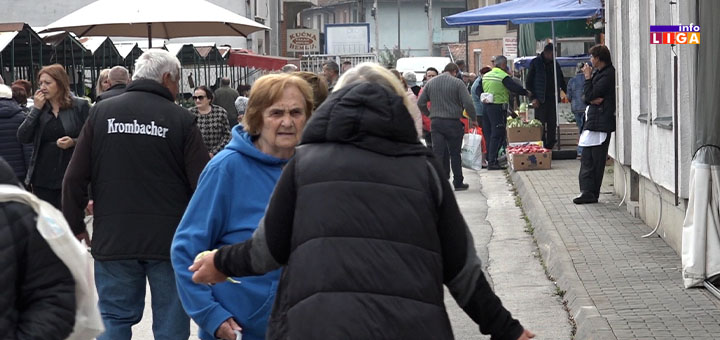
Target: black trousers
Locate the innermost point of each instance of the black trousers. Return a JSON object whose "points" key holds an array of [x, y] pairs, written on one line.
{"points": [[447, 135], [592, 167], [52, 196], [547, 114], [495, 120]]}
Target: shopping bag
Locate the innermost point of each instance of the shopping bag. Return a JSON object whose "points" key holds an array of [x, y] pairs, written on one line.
{"points": [[472, 156], [55, 230]]}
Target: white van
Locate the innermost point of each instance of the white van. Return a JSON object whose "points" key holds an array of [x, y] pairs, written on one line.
{"points": [[420, 64]]}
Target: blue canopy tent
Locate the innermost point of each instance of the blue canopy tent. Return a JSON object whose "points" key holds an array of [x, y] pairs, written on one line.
{"points": [[569, 61], [529, 11]]}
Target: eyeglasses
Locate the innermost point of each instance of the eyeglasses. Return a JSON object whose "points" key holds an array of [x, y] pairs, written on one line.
{"points": [[198, 97]]}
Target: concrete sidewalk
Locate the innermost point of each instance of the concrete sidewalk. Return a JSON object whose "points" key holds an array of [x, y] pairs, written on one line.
{"points": [[618, 285]]}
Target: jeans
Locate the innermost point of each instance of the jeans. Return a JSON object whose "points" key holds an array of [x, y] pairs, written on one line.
{"points": [[592, 167], [494, 130], [579, 120], [447, 135], [546, 114], [121, 290]]}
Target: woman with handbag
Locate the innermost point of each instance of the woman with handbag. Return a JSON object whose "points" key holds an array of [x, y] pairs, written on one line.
{"points": [[53, 126]]}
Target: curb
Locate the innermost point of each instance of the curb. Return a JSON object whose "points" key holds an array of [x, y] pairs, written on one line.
{"points": [[591, 325]]}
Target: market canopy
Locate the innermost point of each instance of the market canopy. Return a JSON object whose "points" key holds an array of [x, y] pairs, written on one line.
{"points": [[260, 61], [570, 61], [165, 19], [527, 11]]}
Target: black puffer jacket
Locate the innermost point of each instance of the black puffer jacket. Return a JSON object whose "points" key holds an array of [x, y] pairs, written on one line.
{"points": [[37, 291], [368, 232], [601, 85], [11, 116]]}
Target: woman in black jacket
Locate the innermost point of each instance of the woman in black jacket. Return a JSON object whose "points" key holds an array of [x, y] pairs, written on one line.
{"points": [[53, 126], [37, 291], [599, 94], [366, 229]]}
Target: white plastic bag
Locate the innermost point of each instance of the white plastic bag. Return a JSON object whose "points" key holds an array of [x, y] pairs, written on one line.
{"points": [[55, 230], [472, 156]]}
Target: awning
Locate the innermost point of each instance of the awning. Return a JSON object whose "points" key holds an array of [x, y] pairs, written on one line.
{"points": [[570, 61], [271, 63], [527, 11]]}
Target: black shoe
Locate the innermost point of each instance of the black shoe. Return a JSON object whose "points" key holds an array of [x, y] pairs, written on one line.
{"points": [[461, 186], [585, 198], [496, 167]]}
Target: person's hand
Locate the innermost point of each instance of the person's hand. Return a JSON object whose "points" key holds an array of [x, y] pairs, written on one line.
{"points": [[535, 103], [204, 270], [39, 100], [211, 154], [473, 124], [596, 101], [89, 208], [587, 71], [84, 236], [65, 143], [526, 335], [227, 330]]}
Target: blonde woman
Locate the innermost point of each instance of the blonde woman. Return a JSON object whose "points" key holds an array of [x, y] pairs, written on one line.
{"points": [[103, 82], [362, 207]]}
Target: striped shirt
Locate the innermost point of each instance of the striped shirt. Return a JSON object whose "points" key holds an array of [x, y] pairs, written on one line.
{"points": [[448, 96]]}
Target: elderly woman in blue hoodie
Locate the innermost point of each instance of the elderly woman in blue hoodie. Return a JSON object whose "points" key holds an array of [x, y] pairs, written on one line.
{"points": [[229, 202]]}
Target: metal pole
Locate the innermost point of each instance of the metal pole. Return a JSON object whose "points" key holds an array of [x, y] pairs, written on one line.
{"points": [[377, 29], [12, 61], [398, 24], [149, 26], [555, 88], [430, 28], [467, 43]]}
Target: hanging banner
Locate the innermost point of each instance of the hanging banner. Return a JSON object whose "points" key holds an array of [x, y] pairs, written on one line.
{"points": [[303, 40]]}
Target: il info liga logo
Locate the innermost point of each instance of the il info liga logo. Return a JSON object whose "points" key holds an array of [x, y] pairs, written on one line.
{"points": [[679, 34]]}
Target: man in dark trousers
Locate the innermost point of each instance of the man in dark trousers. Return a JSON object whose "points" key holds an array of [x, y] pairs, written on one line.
{"points": [[448, 97], [498, 83], [225, 97], [540, 83], [118, 77], [143, 155]]}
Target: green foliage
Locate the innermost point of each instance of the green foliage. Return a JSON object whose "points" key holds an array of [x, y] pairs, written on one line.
{"points": [[388, 58]]}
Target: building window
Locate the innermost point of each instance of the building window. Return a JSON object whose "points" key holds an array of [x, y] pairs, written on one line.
{"points": [[445, 12], [474, 30]]}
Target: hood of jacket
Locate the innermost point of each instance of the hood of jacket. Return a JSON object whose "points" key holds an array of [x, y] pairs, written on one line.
{"points": [[368, 116], [242, 142], [9, 108]]}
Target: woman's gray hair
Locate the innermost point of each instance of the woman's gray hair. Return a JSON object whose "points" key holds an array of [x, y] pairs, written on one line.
{"points": [[369, 72], [153, 64]]}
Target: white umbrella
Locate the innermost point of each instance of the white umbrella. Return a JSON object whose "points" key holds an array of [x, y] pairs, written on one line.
{"points": [[164, 19]]}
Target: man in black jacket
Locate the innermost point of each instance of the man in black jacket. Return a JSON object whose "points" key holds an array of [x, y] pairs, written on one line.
{"points": [[118, 77], [143, 155], [540, 83], [37, 291], [599, 93]]}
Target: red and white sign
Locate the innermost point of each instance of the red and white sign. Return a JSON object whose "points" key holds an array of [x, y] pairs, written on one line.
{"points": [[510, 45], [303, 40]]}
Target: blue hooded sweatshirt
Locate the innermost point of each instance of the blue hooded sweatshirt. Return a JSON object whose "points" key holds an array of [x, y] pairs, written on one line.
{"points": [[231, 197]]}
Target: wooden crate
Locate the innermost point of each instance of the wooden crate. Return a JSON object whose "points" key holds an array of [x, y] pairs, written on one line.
{"points": [[568, 134]]}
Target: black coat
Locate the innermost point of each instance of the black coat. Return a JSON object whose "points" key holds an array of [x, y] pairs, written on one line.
{"points": [[536, 81], [601, 85], [32, 128], [368, 232], [113, 91], [37, 291], [11, 117]]}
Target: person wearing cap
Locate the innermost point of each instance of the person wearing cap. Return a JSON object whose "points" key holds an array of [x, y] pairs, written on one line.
{"points": [[539, 82], [498, 83], [411, 80]]}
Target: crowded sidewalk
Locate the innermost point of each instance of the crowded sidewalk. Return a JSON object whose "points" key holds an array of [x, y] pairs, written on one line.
{"points": [[617, 284]]}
